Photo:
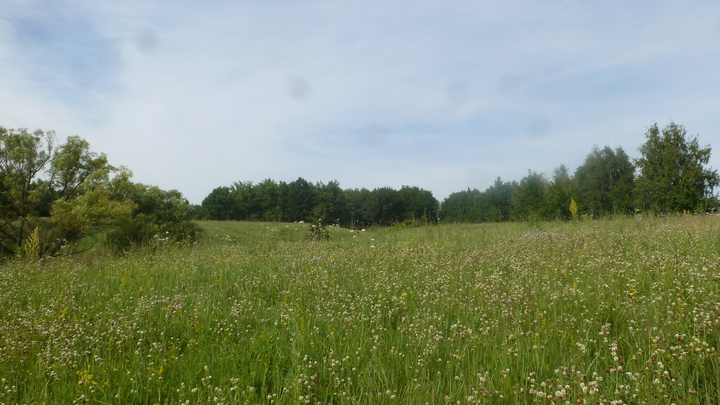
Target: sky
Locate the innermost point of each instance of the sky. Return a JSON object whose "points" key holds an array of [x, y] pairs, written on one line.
{"points": [[442, 95]]}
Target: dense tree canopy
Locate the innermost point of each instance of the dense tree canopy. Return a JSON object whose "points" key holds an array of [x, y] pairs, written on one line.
{"points": [[604, 182], [530, 199], [558, 193], [672, 173], [301, 200], [671, 177], [53, 196], [23, 157]]}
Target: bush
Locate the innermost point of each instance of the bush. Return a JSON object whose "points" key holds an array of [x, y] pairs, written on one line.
{"points": [[319, 231], [160, 216]]}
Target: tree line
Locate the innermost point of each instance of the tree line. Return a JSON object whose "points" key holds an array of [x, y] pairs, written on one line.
{"points": [[670, 176], [57, 198], [301, 200]]}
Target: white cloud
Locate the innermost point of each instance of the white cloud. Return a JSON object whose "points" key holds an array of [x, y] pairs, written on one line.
{"points": [[442, 95]]}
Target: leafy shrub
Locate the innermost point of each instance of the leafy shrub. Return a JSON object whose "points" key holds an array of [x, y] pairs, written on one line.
{"points": [[319, 231], [160, 216]]}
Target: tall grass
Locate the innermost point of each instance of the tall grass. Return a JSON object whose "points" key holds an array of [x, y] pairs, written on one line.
{"points": [[618, 311]]}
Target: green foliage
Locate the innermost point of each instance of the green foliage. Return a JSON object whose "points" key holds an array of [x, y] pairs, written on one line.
{"points": [[604, 183], [54, 197], [491, 205], [318, 231], [159, 215], [672, 173], [301, 200], [558, 194], [356, 200], [529, 200], [23, 158], [330, 203], [573, 208], [499, 200], [221, 205], [75, 168], [418, 204], [383, 206], [74, 217], [267, 201], [461, 207]]}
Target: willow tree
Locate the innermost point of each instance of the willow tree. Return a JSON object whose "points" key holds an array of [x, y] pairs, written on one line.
{"points": [[23, 158], [81, 189]]}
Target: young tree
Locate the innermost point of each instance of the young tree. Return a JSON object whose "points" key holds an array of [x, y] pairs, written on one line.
{"points": [[672, 173], [73, 165]]}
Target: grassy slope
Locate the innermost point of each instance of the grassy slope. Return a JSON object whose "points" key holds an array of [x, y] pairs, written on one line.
{"points": [[599, 311]]}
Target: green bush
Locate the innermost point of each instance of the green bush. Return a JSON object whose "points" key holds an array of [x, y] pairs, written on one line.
{"points": [[319, 231]]}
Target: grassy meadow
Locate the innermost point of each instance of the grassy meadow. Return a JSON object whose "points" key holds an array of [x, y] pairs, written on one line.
{"points": [[620, 311]]}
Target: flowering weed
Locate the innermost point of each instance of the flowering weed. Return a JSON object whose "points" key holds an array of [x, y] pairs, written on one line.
{"points": [[613, 312]]}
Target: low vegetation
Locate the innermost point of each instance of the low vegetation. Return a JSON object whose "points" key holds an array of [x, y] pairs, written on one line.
{"points": [[622, 311]]}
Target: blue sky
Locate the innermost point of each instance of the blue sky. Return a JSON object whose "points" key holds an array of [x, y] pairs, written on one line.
{"points": [[443, 95]]}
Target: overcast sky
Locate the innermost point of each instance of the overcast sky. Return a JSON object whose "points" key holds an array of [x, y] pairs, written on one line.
{"points": [[443, 95]]}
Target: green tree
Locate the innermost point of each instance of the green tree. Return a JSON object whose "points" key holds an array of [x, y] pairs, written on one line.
{"points": [[672, 171], [88, 193], [331, 205], [418, 204], [24, 156], [97, 204], [622, 173], [356, 200], [299, 199], [559, 194], [243, 193], [383, 206], [221, 205], [52, 197], [492, 205], [529, 199], [499, 199], [460, 206], [267, 200], [604, 182], [73, 165], [158, 215]]}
